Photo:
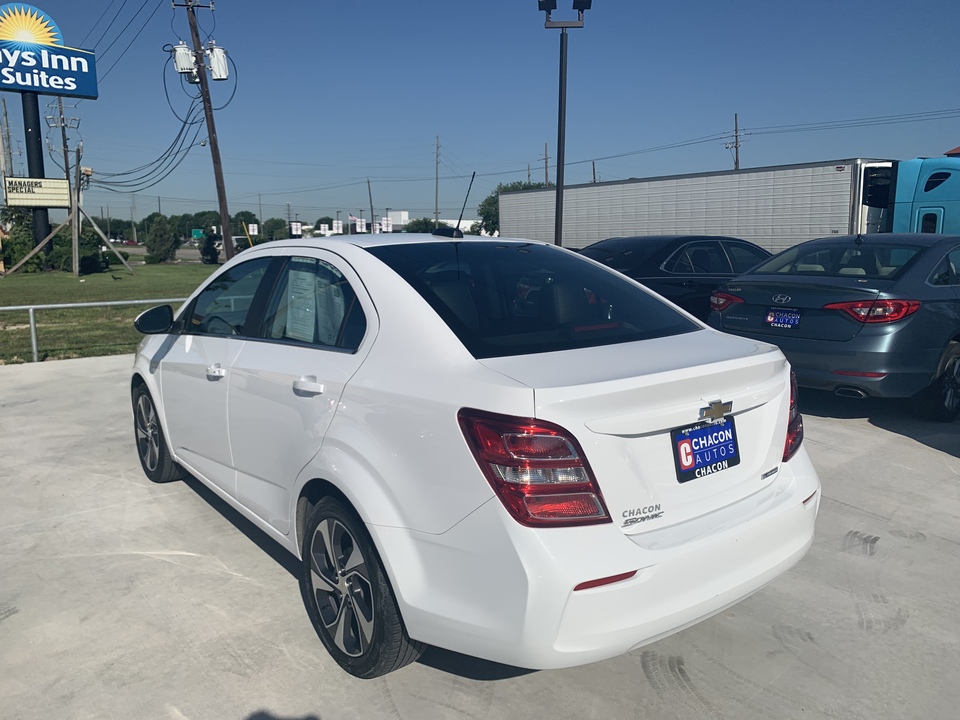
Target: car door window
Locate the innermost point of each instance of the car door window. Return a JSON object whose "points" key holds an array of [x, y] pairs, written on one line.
{"points": [[314, 304], [698, 258], [223, 306], [743, 256]]}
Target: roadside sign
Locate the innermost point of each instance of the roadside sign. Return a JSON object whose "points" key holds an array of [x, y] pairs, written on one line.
{"points": [[37, 192]]}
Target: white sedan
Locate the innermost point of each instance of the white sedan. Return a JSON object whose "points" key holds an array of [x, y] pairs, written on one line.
{"points": [[494, 446]]}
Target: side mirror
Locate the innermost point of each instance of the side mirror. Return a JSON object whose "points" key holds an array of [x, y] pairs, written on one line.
{"points": [[155, 321]]}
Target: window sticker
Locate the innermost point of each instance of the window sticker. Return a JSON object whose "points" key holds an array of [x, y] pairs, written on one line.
{"points": [[301, 305]]}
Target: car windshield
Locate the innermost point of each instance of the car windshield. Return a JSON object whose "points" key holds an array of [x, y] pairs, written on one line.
{"points": [[842, 259], [515, 298]]}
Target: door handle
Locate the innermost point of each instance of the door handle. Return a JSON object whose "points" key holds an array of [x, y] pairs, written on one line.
{"points": [[307, 385], [216, 371]]}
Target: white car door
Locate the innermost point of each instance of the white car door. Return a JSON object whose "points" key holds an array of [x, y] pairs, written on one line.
{"points": [[194, 372], [284, 388]]}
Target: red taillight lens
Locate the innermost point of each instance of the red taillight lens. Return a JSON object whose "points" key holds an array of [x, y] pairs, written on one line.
{"points": [[720, 301], [795, 423], [536, 468], [876, 311]]}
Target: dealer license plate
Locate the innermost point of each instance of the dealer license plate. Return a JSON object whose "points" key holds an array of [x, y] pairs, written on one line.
{"points": [[705, 449], [785, 318]]}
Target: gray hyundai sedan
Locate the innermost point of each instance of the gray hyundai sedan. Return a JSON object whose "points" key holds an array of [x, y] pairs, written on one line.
{"points": [[860, 315]]}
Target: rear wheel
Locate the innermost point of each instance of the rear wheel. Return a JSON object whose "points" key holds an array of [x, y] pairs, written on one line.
{"points": [[348, 597], [941, 399], [155, 458]]}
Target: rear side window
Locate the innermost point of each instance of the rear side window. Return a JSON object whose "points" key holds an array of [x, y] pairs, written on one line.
{"points": [[505, 299], [629, 256], [314, 304], [946, 271], [842, 258]]}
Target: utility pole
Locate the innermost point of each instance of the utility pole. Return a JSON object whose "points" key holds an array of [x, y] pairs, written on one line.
{"points": [[436, 190], [7, 153], [74, 198], [201, 70], [78, 220], [546, 166], [735, 145], [594, 164], [370, 195], [133, 224]]}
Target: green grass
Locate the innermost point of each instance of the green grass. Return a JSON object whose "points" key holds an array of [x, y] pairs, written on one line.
{"points": [[86, 332]]}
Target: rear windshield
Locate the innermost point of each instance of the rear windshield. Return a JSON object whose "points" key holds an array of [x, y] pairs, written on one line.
{"points": [[507, 298], [842, 259], [622, 256]]}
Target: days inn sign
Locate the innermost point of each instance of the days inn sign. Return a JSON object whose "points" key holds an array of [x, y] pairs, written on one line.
{"points": [[34, 59]]}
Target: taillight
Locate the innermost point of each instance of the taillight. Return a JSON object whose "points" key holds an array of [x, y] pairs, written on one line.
{"points": [[536, 468], [720, 301], [795, 424], [876, 311]]}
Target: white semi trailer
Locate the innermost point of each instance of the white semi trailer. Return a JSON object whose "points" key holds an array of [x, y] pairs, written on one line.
{"points": [[774, 207]]}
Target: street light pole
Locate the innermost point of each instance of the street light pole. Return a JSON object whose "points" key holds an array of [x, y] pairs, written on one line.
{"points": [[561, 139], [548, 6]]}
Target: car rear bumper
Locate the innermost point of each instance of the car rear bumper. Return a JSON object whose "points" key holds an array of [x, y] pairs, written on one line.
{"points": [[496, 590], [880, 365]]}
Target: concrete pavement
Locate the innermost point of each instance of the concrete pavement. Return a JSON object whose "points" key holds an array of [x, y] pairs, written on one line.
{"points": [[124, 599]]}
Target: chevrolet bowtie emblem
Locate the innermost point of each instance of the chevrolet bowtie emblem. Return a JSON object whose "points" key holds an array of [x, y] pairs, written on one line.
{"points": [[716, 411]]}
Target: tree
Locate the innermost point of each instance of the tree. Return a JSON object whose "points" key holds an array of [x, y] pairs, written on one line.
{"points": [[422, 225], [161, 241], [489, 209], [325, 220], [243, 218], [275, 229]]}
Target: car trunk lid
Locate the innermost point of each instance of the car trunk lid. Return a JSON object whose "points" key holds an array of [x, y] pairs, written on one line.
{"points": [[639, 417], [794, 306]]}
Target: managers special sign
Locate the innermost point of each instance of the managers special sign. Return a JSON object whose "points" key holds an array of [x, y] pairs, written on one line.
{"points": [[37, 192], [33, 57]]}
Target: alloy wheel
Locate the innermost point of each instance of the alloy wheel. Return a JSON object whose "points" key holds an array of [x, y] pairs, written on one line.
{"points": [[951, 385], [148, 433], [340, 581]]}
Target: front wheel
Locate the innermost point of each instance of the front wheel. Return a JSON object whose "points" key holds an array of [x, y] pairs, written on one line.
{"points": [[348, 597], [941, 399], [152, 449]]}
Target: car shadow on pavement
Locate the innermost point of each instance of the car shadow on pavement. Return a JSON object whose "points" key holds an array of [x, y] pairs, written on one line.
{"points": [[283, 558], [444, 660], [894, 415]]}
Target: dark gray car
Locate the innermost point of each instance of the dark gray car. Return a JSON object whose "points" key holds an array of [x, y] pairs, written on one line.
{"points": [[685, 269], [862, 315]]}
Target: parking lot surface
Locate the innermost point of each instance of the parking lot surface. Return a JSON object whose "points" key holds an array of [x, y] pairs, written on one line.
{"points": [[124, 599]]}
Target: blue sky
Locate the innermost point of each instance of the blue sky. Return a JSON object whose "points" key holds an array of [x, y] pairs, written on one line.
{"points": [[329, 94]]}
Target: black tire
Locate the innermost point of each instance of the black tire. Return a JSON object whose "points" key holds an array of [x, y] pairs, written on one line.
{"points": [[152, 449], [348, 596], [941, 399]]}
